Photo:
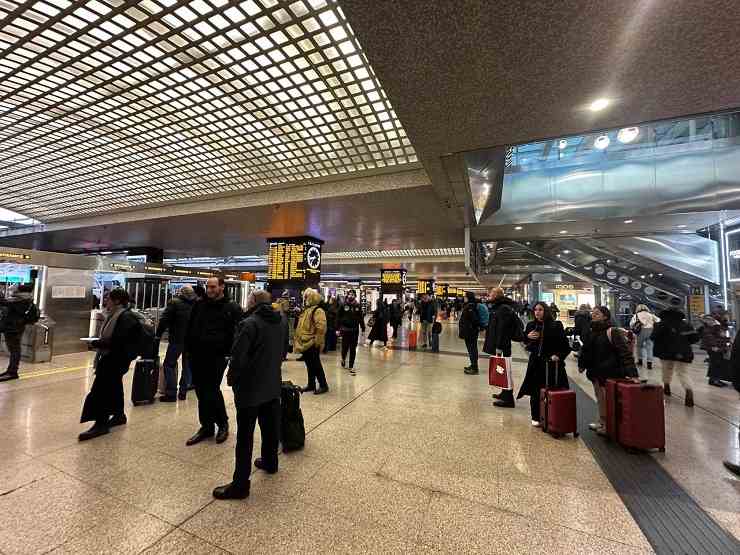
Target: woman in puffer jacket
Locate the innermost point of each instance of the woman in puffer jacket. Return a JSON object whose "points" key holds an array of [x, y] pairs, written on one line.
{"points": [[309, 339]]}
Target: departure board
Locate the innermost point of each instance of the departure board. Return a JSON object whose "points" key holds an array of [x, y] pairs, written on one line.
{"points": [[425, 286], [392, 281], [293, 259], [440, 290]]}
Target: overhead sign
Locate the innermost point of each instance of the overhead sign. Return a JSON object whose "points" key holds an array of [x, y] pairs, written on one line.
{"points": [[393, 281], [441, 290], [425, 287], [294, 259]]}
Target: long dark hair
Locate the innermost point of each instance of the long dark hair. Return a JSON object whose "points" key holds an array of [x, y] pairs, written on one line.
{"points": [[546, 312]]}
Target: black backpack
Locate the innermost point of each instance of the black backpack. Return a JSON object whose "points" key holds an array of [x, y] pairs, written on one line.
{"points": [[292, 428], [517, 328]]}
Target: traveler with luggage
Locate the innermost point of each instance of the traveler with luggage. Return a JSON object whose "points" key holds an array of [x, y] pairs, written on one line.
{"points": [[427, 316], [309, 340], [673, 338], [16, 312], [117, 346], [504, 326], [642, 324], [208, 342], [351, 321], [175, 319], [473, 319], [332, 312], [548, 347], [255, 376], [605, 354], [715, 341], [379, 329]]}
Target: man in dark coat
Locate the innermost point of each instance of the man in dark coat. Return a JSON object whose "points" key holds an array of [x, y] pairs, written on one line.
{"points": [[351, 321], [208, 343], [255, 376], [499, 336], [20, 311], [175, 318]]}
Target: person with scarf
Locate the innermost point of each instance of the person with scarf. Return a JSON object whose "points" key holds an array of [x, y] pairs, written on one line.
{"points": [[117, 346]]}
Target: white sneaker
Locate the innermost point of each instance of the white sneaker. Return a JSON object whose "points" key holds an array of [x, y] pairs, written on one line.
{"points": [[536, 423]]}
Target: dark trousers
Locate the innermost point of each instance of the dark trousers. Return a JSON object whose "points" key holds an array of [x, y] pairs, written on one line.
{"points": [[331, 340], [349, 345], [208, 372], [716, 360], [13, 341], [268, 416], [174, 350], [395, 326], [314, 367], [534, 406], [471, 343], [435, 343]]}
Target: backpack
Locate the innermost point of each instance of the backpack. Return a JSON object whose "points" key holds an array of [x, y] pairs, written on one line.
{"points": [[32, 314], [145, 347], [517, 328]]}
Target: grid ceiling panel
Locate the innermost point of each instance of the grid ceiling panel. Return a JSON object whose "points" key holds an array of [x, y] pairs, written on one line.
{"points": [[108, 104]]}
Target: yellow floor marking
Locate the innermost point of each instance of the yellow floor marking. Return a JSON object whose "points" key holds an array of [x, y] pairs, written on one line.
{"points": [[51, 372]]}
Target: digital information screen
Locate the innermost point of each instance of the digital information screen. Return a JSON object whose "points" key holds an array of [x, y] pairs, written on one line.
{"points": [[293, 259], [392, 281], [440, 290], [425, 287]]}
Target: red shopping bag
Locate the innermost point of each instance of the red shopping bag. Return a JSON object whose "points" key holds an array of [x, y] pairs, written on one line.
{"points": [[499, 372]]}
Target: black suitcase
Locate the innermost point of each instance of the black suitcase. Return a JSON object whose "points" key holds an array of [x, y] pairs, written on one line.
{"points": [[292, 428], [146, 380]]}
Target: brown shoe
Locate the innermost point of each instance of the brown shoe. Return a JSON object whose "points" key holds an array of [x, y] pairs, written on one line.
{"points": [[689, 401]]}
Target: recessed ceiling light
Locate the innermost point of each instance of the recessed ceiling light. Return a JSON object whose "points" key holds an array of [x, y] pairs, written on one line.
{"points": [[563, 231], [660, 275], [529, 243], [642, 277], [518, 228], [599, 104], [558, 255], [681, 226], [628, 134], [635, 252], [628, 221], [601, 142], [562, 143], [566, 252]]}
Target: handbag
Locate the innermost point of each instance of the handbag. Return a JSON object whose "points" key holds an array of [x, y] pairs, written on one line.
{"points": [[499, 372]]}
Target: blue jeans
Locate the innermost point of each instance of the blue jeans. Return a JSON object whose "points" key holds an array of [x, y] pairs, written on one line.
{"points": [[174, 350], [645, 345]]}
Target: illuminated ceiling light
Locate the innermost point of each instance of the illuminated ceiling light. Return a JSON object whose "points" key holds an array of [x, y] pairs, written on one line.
{"points": [[601, 142], [562, 144], [599, 104], [563, 231], [628, 221], [635, 252], [518, 228], [566, 252], [628, 134], [681, 226], [642, 277]]}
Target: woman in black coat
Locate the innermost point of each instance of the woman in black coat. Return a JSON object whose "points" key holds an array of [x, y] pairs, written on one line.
{"points": [[379, 331], [548, 347], [119, 343]]}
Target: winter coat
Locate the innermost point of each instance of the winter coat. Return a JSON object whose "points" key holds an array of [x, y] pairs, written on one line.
{"points": [[500, 325], [122, 347], [469, 325], [673, 336], [256, 357], [428, 311], [311, 329], [212, 327], [332, 315], [17, 305], [175, 319], [604, 358], [395, 314], [379, 331], [552, 342], [351, 318], [582, 323], [713, 335]]}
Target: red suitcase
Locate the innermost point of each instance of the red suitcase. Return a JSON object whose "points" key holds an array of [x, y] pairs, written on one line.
{"points": [[635, 414], [558, 412], [413, 339]]}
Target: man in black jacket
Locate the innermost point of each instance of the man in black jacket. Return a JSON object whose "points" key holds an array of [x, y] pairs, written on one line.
{"points": [[208, 344], [350, 321], [499, 337], [175, 318], [254, 374], [19, 311]]}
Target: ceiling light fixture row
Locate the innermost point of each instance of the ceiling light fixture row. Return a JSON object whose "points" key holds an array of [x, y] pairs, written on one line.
{"points": [[108, 105]]}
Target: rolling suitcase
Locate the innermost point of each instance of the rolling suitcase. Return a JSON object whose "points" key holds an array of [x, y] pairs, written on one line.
{"points": [[558, 410], [146, 381], [413, 339], [635, 414], [292, 427]]}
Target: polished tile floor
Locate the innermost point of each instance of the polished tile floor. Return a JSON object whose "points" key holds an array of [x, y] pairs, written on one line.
{"points": [[407, 456]]}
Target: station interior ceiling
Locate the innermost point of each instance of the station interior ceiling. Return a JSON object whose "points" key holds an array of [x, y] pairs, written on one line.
{"points": [[203, 127]]}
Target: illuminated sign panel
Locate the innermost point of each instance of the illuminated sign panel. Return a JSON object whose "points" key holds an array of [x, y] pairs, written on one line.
{"points": [[294, 259], [392, 281], [425, 287], [441, 290]]}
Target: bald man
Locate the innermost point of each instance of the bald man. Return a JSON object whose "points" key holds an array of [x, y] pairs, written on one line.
{"points": [[501, 331]]}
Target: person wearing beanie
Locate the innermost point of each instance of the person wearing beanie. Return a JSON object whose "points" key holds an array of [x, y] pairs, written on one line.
{"points": [[174, 320]]}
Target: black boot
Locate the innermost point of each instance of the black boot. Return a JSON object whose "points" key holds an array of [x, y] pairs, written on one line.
{"points": [[689, 400], [260, 463], [650, 366], [97, 429], [7, 376], [117, 420], [506, 400], [471, 371], [230, 491], [667, 389]]}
